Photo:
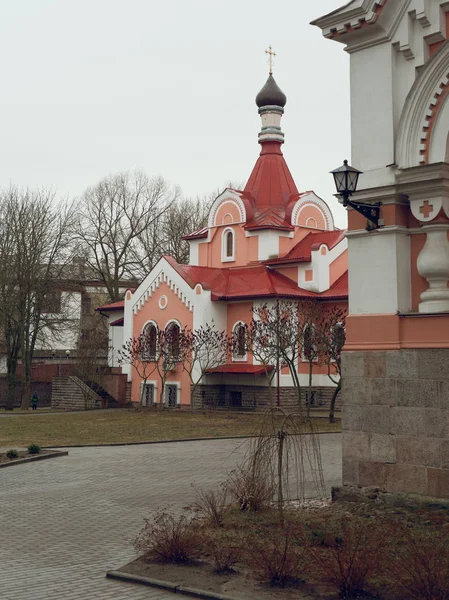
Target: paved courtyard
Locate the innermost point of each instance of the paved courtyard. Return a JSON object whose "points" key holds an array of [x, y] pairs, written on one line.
{"points": [[64, 522]]}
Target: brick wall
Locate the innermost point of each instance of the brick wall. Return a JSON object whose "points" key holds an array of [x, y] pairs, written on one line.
{"points": [[396, 420], [42, 388]]}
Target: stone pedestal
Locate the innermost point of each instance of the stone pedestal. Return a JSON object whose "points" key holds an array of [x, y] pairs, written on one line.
{"points": [[396, 420]]}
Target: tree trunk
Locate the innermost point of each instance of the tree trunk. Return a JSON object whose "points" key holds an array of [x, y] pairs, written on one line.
{"points": [[310, 388], [11, 393], [26, 394], [333, 401]]}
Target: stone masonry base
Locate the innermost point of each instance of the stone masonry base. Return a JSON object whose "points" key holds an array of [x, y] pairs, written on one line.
{"points": [[257, 398], [396, 420]]}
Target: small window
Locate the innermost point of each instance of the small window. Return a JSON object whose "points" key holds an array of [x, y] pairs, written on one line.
{"points": [[239, 341], [86, 304], [148, 394], [172, 339], [228, 245], [149, 342], [52, 303], [171, 395]]}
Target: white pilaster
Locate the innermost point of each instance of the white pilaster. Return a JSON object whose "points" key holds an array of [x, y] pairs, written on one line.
{"points": [[433, 265]]}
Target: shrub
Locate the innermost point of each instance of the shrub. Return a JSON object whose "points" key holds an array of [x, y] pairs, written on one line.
{"points": [[12, 454], [348, 560], [212, 505], [421, 570], [33, 449], [226, 552], [169, 538], [250, 489], [277, 561]]}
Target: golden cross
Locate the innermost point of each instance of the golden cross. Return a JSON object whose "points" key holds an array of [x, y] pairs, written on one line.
{"points": [[271, 55]]}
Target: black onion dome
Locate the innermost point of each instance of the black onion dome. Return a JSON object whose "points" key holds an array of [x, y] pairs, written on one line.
{"points": [[271, 94]]}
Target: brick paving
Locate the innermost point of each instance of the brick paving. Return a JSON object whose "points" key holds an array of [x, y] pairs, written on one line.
{"points": [[65, 522]]}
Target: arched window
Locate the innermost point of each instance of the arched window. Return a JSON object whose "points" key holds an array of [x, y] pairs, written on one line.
{"points": [[309, 344], [239, 341], [149, 342], [228, 245], [172, 339]]}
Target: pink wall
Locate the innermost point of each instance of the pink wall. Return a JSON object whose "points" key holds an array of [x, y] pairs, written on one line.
{"points": [[150, 311], [286, 244], [338, 267]]}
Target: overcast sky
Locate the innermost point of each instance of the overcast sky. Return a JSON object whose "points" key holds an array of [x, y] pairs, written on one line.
{"points": [[93, 87]]}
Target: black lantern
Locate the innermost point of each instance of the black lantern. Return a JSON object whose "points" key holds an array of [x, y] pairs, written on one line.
{"points": [[346, 179]]}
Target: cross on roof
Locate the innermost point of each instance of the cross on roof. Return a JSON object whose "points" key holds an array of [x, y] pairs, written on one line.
{"points": [[271, 55], [426, 209]]}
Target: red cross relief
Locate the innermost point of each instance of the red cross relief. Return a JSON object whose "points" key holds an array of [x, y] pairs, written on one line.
{"points": [[426, 209]]}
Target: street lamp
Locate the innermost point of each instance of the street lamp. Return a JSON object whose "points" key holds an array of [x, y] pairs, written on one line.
{"points": [[346, 179]]}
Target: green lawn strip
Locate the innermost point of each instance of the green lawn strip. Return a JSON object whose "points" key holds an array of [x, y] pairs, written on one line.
{"points": [[128, 426]]}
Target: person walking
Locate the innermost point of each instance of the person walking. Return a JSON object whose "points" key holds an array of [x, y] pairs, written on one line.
{"points": [[34, 401]]}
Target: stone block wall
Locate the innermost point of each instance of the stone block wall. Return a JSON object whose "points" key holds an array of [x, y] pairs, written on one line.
{"points": [[254, 397], [70, 393], [396, 420]]}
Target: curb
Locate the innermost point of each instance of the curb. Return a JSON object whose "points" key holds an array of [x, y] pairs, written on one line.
{"points": [[27, 459], [170, 586], [203, 439]]}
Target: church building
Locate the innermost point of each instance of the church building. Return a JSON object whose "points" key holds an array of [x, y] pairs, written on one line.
{"points": [[265, 243]]}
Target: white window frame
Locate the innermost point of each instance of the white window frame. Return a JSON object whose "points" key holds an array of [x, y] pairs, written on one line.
{"points": [[150, 322], [224, 245], [236, 358], [149, 383], [178, 392], [176, 322]]}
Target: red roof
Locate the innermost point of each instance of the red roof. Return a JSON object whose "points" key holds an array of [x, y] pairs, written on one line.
{"points": [[302, 252], [114, 306], [339, 290], [200, 233], [271, 188], [241, 369], [118, 322], [255, 281]]}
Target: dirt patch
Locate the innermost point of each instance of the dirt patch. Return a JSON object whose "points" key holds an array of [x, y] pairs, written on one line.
{"points": [[239, 585], [345, 535]]}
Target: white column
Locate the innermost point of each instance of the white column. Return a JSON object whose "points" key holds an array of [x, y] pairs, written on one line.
{"points": [[433, 265]]}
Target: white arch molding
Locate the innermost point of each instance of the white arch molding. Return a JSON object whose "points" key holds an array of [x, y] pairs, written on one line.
{"points": [[228, 196], [438, 143], [311, 199], [419, 107]]}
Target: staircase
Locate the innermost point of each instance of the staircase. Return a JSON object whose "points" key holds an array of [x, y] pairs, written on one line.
{"points": [[106, 399]]}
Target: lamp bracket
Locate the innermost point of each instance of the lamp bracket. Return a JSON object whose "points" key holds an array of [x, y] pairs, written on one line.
{"points": [[370, 211]]}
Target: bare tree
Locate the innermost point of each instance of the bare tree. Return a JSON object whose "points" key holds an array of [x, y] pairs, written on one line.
{"points": [[153, 351], [36, 244], [182, 218], [115, 214], [331, 337], [140, 353], [202, 349]]}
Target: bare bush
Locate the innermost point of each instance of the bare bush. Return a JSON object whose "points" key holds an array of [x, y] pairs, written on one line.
{"points": [[278, 560], [211, 505], [169, 538], [421, 570], [225, 550], [349, 559], [250, 489]]}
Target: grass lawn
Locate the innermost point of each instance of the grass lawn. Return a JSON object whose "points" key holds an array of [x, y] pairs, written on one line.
{"points": [[124, 426]]}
